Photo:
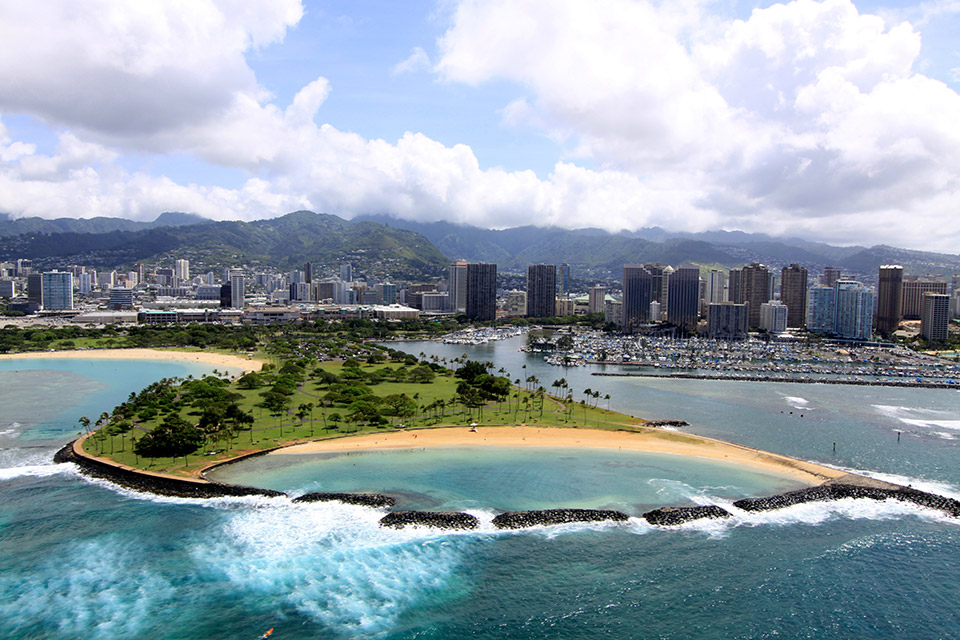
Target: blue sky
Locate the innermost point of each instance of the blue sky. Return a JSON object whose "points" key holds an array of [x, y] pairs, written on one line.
{"points": [[833, 120]]}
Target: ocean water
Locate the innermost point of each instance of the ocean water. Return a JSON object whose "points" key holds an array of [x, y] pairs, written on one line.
{"points": [[82, 558]]}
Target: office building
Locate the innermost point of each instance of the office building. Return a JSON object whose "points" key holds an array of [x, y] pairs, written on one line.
{"points": [[8, 288], [308, 272], [596, 297], [727, 321], [911, 301], [541, 290], [35, 289], [481, 291], [457, 287], [346, 272], [57, 287], [774, 316], [237, 290], [656, 274], [637, 296], [793, 294], [889, 299], [716, 286], [683, 297], [120, 298], [830, 276], [935, 317], [565, 278], [85, 284], [387, 293]]}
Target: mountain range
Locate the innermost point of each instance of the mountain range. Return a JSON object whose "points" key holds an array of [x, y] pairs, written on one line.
{"points": [[404, 249]]}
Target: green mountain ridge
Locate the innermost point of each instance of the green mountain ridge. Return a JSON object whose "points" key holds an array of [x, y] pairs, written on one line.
{"points": [[285, 242]]}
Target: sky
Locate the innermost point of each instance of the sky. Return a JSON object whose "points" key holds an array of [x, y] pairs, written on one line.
{"points": [[825, 120]]}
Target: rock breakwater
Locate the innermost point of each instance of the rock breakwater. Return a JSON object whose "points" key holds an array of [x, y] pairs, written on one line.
{"points": [[673, 516], [362, 499], [838, 491], [438, 519], [524, 519], [160, 485]]}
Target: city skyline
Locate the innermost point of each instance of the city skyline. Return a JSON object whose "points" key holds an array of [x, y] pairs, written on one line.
{"points": [[831, 121]]}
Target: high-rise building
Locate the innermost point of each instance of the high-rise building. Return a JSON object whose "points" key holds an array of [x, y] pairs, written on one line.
{"points": [[481, 291], [637, 295], [656, 274], [237, 291], [85, 284], [457, 287], [735, 286], [597, 296], [830, 276], [541, 290], [854, 317], [751, 285], [727, 321], [35, 288], [308, 272], [664, 298], [565, 278], [716, 286], [911, 301], [346, 272], [889, 299], [387, 292], [181, 270], [822, 310], [57, 287], [935, 317], [683, 297], [793, 294], [774, 316]]}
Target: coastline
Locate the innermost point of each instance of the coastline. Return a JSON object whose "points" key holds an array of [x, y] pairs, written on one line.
{"points": [[204, 357], [648, 440]]}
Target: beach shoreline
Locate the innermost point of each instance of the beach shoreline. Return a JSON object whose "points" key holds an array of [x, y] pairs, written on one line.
{"points": [[647, 440], [202, 357]]}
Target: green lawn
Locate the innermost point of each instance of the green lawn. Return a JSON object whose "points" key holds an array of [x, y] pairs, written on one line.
{"points": [[270, 430]]}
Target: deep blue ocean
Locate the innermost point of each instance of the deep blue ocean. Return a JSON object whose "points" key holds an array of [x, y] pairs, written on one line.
{"points": [[82, 558]]}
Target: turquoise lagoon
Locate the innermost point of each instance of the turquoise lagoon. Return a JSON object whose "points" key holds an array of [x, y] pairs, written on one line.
{"points": [[82, 558]]}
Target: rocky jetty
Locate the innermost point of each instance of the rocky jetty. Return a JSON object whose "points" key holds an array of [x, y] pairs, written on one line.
{"points": [[838, 491], [160, 485], [362, 499], [666, 423], [523, 519], [672, 516], [438, 519]]}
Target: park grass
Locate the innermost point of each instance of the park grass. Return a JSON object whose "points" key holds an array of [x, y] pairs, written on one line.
{"points": [[522, 407]]}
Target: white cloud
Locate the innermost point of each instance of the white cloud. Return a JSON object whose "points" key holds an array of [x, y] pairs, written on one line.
{"points": [[807, 118], [418, 60], [120, 69]]}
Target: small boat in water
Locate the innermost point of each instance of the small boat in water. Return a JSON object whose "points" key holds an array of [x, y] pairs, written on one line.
{"points": [[267, 634]]}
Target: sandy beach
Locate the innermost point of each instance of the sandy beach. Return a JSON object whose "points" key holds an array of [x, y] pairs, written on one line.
{"points": [[651, 440], [216, 359]]}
